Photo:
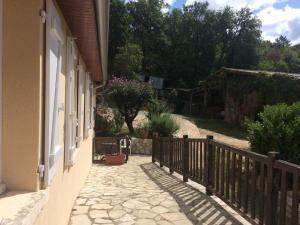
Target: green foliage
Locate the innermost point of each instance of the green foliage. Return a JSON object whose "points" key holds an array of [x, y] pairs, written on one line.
{"points": [[184, 45], [172, 96], [163, 124], [129, 96], [118, 30], [156, 108], [142, 131], [147, 30], [282, 42], [108, 122], [128, 61], [119, 119], [278, 129], [279, 56], [271, 89]]}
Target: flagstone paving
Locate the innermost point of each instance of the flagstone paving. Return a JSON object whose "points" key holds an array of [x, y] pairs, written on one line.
{"points": [[136, 193]]}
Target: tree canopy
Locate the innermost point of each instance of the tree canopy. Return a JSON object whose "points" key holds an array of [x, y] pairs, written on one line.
{"points": [[129, 96], [186, 45]]}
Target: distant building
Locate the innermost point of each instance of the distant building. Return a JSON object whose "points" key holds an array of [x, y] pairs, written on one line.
{"points": [[249, 102], [156, 82]]}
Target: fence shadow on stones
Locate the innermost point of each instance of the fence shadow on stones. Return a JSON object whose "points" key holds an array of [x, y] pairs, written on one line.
{"points": [[197, 206]]}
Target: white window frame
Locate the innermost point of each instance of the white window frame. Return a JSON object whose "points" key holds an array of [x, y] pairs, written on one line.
{"points": [[87, 105], [53, 149], [71, 104], [93, 105], [80, 103], [2, 186]]}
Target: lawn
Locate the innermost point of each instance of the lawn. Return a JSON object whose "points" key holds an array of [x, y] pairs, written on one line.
{"points": [[218, 126]]}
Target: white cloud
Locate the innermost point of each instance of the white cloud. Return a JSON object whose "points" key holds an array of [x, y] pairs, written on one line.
{"points": [[170, 2], [237, 4], [276, 22]]}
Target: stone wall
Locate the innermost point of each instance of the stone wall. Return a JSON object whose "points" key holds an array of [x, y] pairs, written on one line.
{"points": [[141, 146], [138, 145]]}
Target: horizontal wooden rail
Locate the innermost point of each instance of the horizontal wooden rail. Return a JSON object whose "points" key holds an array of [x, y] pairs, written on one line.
{"points": [[263, 189]]}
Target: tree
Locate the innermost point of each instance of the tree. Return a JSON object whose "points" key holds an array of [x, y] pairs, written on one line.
{"points": [[279, 56], [118, 30], [186, 45], [129, 96], [282, 42], [245, 38], [128, 61], [147, 30]]}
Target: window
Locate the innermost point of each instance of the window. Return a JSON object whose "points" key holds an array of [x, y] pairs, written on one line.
{"points": [[54, 44], [71, 103], [87, 107], [80, 103]]}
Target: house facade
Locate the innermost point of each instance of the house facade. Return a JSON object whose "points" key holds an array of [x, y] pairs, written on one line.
{"points": [[53, 56]]}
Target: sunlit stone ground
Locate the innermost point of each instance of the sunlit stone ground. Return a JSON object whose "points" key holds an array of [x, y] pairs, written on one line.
{"points": [[140, 192]]}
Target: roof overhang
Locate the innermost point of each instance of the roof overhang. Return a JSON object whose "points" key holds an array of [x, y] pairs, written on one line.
{"points": [[88, 22]]}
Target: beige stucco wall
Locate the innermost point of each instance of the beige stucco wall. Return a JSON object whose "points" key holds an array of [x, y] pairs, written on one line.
{"points": [[65, 187], [23, 101], [22, 79]]}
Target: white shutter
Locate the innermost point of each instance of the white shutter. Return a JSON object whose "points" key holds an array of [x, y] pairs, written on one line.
{"points": [[80, 104], [71, 114], [87, 110], [54, 42], [91, 103], [93, 106]]}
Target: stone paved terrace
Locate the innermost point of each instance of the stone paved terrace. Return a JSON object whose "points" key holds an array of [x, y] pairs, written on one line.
{"points": [[142, 193]]}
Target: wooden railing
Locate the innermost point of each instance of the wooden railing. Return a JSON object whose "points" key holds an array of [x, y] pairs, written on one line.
{"points": [[263, 189]]}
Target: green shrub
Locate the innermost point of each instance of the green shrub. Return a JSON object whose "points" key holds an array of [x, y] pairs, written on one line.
{"points": [[129, 97], [156, 108], [104, 127], [163, 124], [108, 122], [278, 129], [119, 119], [142, 131]]}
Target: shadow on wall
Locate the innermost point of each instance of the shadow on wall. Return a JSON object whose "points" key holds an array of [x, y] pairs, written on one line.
{"points": [[197, 206]]}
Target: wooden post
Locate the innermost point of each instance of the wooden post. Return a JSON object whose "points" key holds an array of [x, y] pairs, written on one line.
{"points": [[161, 152], [272, 190], [154, 146], [209, 164], [185, 158], [171, 154]]}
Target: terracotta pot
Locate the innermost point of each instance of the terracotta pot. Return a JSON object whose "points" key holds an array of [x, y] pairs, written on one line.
{"points": [[114, 160]]}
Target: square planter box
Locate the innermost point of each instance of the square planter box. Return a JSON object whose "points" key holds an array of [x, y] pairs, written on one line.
{"points": [[114, 160]]}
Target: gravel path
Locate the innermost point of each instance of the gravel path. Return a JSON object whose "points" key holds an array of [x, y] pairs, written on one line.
{"points": [[142, 193], [191, 129]]}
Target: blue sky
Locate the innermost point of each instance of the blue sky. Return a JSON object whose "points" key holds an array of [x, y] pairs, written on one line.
{"points": [[279, 17]]}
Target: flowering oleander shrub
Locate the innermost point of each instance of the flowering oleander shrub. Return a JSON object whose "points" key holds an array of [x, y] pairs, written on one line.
{"points": [[129, 97]]}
